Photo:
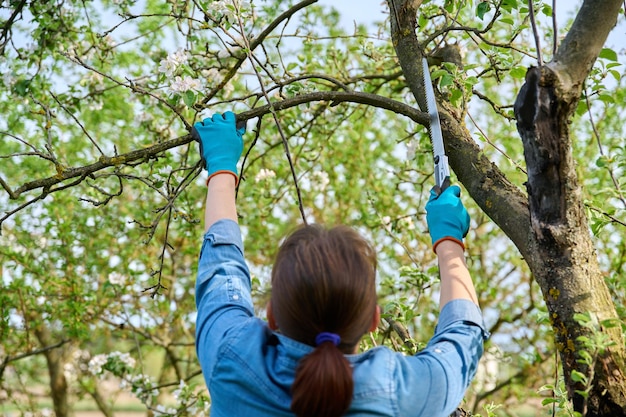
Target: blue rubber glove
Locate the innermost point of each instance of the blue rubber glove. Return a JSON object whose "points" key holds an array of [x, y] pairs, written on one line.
{"points": [[221, 143], [446, 216]]}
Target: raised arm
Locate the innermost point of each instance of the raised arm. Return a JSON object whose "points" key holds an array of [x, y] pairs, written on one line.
{"points": [[221, 144], [448, 223], [220, 200], [223, 285]]}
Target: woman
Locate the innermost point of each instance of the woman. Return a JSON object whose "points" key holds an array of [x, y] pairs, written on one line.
{"points": [[303, 361]]}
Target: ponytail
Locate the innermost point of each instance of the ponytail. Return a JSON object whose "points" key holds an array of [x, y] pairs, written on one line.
{"points": [[323, 385], [324, 295]]}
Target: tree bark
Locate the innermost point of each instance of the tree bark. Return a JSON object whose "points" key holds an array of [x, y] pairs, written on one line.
{"points": [[564, 261], [548, 225], [58, 383]]}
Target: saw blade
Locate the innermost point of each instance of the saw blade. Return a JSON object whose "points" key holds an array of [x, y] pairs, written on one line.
{"points": [[436, 136]]}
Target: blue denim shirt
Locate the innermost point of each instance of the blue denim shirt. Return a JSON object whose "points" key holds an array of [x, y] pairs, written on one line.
{"points": [[249, 369]]}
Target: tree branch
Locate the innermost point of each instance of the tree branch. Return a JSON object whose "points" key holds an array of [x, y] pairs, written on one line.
{"points": [[335, 97], [583, 43], [501, 200]]}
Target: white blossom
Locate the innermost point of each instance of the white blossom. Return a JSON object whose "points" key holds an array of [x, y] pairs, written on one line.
{"points": [[8, 79], [96, 105], [180, 85], [160, 409], [96, 363], [212, 74], [164, 172], [407, 222], [264, 174], [169, 65], [410, 149], [92, 78], [321, 178], [124, 358], [110, 42], [116, 278], [225, 7], [386, 221], [179, 391]]}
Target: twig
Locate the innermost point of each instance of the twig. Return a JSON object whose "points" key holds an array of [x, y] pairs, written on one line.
{"points": [[494, 145], [130, 85], [555, 30], [44, 194], [6, 30], [258, 40], [531, 13], [245, 158], [275, 116], [77, 122], [9, 359], [597, 136]]}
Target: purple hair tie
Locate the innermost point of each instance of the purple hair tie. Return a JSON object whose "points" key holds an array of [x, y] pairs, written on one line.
{"points": [[327, 337]]}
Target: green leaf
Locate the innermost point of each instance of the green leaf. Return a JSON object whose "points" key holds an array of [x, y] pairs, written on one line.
{"points": [[518, 72], [578, 377], [189, 98], [616, 74], [509, 5], [446, 80], [21, 87], [547, 401], [606, 97], [438, 73], [482, 9], [608, 53], [455, 97], [547, 10]]}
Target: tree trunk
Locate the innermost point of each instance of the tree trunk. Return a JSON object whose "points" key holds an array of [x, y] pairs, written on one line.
{"points": [[564, 262], [548, 225], [58, 383]]}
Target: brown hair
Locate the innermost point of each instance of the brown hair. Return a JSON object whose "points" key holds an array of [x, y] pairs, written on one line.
{"points": [[323, 280]]}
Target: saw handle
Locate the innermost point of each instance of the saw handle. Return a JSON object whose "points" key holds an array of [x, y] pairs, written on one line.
{"points": [[442, 173]]}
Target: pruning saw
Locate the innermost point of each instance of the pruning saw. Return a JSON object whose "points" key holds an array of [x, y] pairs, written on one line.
{"points": [[442, 169]]}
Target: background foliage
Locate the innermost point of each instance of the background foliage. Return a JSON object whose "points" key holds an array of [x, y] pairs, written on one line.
{"points": [[98, 266]]}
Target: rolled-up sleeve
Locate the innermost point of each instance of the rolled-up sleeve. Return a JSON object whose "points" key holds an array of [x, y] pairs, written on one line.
{"points": [[447, 365], [223, 289]]}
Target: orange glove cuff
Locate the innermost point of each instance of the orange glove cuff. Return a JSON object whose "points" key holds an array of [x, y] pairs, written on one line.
{"points": [[223, 172], [460, 242]]}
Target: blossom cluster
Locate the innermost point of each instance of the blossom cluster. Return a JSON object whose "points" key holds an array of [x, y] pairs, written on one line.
{"points": [[171, 65], [116, 278], [227, 8], [264, 174], [116, 359]]}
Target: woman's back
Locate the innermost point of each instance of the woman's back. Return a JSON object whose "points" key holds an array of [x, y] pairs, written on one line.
{"points": [[250, 369]]}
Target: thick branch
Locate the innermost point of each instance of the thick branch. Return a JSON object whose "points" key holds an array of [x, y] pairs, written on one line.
{"points": [[583, 43], [502, 201], [403, 24], [334, 97]]}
